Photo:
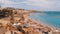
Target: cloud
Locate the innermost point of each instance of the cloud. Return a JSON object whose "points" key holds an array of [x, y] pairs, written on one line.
{"points": [[6, 2], [33, 4], [45, 4], [9, 2]]}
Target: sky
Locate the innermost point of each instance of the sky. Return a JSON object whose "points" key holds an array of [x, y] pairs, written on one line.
{"points": [[43, 5]]}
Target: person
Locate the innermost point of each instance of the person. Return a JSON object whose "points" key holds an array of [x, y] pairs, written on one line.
{"points": [[0, 24], [45, 32], [2, 30], [19, 28], [26, 25]]}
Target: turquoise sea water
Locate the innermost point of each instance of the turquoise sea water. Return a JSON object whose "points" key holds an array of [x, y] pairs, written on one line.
{"points": [[51, 18]]}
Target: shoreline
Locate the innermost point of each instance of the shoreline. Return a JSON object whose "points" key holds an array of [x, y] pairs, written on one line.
{"points": [[19, 20], [48, 25]]}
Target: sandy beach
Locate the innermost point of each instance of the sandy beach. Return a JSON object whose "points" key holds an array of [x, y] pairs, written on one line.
{"points": [[18, 22]]}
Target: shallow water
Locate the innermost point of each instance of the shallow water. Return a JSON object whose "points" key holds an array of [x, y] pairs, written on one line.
{"points": [[48, 18]]}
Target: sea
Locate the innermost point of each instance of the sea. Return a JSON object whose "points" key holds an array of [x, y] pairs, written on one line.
{"points": [[48, 18]]}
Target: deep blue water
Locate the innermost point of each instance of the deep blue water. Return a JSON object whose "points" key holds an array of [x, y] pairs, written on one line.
{"points": [[52, 18]]}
